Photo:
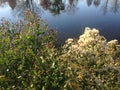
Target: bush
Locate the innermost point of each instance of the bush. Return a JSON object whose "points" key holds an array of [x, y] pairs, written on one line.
{"points": [[30, 61], [27, 55], [92, 62]]}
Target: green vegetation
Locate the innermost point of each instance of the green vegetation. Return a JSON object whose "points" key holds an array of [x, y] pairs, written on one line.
{"points": [[30, 61]]}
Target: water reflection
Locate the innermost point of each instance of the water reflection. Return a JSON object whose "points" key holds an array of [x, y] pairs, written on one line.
{"points": [[58, 6], [89, 2], [55, 6], [15, 3], [115, 6], [111, 5], [12, 3], [18, 7], [95, 2], [29, 4]]}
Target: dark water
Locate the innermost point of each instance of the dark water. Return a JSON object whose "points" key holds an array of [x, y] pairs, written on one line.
{"points": [[69, 17]]}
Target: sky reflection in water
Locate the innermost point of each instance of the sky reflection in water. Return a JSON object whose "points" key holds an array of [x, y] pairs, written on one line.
{"points": [[69, 17]]}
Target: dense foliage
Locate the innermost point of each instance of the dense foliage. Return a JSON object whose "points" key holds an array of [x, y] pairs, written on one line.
{"points": [[30, 61], [92, 62], [27, 56]]}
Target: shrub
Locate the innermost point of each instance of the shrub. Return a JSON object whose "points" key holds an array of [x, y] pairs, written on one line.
{"points": [[92, 62], [28, 58]]}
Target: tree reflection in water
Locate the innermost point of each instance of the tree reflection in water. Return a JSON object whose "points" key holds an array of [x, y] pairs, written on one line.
{"points": [[12, 3], [115, 6], [29, 4], [111, 5], [95, 2], [55, 6], [105, 7], [89, 2], [58, 6]]}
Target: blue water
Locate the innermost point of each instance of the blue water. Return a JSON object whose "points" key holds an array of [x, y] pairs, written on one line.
{"points": [[69, 17]]}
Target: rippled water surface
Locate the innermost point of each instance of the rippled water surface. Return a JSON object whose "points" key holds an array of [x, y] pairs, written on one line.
{"points": [[69, 17]]}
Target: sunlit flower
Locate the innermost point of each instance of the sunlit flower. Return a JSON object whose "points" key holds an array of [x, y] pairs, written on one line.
{"points": [[19, 76], [53, 65], [95, 31], [69, 41], [112, 42], [74, 47]]}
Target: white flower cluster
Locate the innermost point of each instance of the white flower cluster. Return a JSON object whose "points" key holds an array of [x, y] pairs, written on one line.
{"points": [[112, 43], [69, 41], [90, 40], [90, 43]]}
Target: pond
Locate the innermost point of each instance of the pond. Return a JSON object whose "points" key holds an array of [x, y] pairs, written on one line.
{"points": [[69, 17]]}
